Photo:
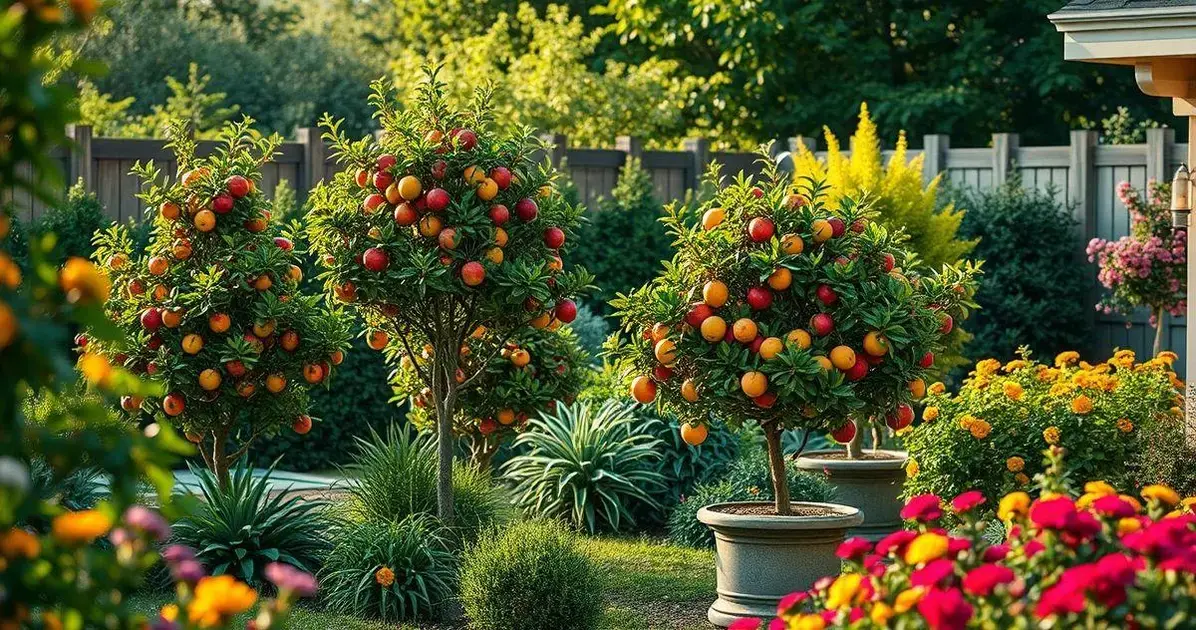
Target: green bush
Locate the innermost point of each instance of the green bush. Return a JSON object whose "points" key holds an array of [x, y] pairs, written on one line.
{"points": [[73, 223], [685, 467], [393, 476], [240, 529], [591, 329], [624, 243], [355, 403], [389, 570], [530, 576], [1031, 295], [590, 466], [747, 479]]}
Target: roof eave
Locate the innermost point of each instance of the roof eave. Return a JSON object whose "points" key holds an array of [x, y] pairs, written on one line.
{"points": [[1127, 35]]}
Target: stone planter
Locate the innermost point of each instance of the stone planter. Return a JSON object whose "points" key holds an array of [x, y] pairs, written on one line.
{"points": [[873, 485], [760, 558]]}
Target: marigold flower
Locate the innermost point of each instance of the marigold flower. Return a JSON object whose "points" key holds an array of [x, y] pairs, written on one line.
{"points": [[881, 614], [844, 591], [987, 367], [1015, 464], [1062, 388], [926, 547], [1066, 358], [937, 388], [1046, 374], [1021, 479], [1160, 493], [930, 414], [1128, 525], [83, 282], [385, 577], [1099, 488], [1125, 425], [966, 420], [1014, 504], [1052, 435], [169, 612], [1013, 391], [908, 598], [82, 527], [18, 543], [1014, 366], [1081, 405], [980, 429], [217, 598], [912, 468], [1168, 357]]}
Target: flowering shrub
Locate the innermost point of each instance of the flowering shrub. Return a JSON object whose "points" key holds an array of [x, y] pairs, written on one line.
{"points": [[1147, 267], [1100, 560], [1109, 417]]}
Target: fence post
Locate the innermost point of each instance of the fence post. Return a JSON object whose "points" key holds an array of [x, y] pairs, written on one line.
{"points": [[1004, 152], [1158, 147], [631, 145], [935, 148], [699, 157], [1081, 195], [311, 167], [81, 164], [557, 146]]}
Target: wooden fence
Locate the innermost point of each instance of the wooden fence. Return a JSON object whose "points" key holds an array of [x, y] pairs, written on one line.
{"points": [[1082, 174]]}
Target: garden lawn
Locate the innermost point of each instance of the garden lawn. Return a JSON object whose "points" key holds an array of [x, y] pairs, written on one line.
{"points": [[649, 585]]}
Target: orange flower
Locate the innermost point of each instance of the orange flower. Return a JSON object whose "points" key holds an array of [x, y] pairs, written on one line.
{"points": [[980, 429], [929, 414], [1015, 464], [1081, 405], [1013, 391], [844, 591], [926, 547], [79, 528], [987, 367], [1052, 435], [1066, 358], [217, 598], [1021, 479], [912, 468], [1160, 493], [385, 577], [937, 388], [1125, 425], [1012, 505], [908, 598]]}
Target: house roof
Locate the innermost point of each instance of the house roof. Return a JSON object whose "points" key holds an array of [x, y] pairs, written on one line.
{"points": [[1113, 5]]}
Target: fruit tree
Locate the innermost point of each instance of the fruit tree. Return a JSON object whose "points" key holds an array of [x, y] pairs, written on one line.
{"points": [[534, 369], [778, 310], [443, 224], [212, 305]]}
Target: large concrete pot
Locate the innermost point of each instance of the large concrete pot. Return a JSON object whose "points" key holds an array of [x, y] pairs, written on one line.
{"points": [[760, 558], [872, 484]]}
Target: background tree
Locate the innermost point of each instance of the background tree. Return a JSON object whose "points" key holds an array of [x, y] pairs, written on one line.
{"points": [[444, 224], [212, 305], [781, 310], [535, 368]]}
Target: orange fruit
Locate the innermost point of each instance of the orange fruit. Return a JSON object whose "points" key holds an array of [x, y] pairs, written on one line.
{"points": [[263, 328], [792, 244], [294, 273], [160, 292], [712, 218], [219, 322], [181, 250], [694, 434], [917, 387], [377, 339], [689, 390], [500, 237], [487, 190], [192, 344], [643, 389], [714, 328], [780, 279], [313, 373], [337, 357], [771, 347], [392, 194], [475, 175], [410, 188], [430, 225], [263, 282], [171, 318], [822, 230], [744, 330], [158, 265], [824, 362], [714, 293], [876, 344], [520, 357], [506, 416], [169, 210], [494, 255], [209, 379], [753, 384], [541, 321], [173, 404], [659, 331], [205, 220], [276, 383], [666, 351], [842, 357], [799, 338], [246, 389]]}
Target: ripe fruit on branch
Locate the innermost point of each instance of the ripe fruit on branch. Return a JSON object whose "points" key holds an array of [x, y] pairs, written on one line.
{"points": [[917, 388], [765, 400], [744, 330], [792, 244], [694, 434], [714, 293], [284, 243], [845, 433], [876, 344], [383, 180], [760, 229], [698, 314], [473, 273], [857, 371], [313, 373], [430, 226], [799, 338], [927, 360], [520, 357], [209, 379], [770, 348], [826, 295], [689, 390], [301, 425], [759, 298], [372, 203], [464, 138], [843, 357], [948, 324], [222, 203], [901, 417], [437, 199], [499, 214], [780, 279], [822, 324], [753, 383], [526, 209], [173, 404], [410, 188], [501, 176], [377, 339], [713, 329], [823, 230], [405, 214], [192, 343], [888, 262], [712, 218], [151, 318], [666, 351], [643, 389], [205, 220], [275, 383], [837, 227], [566, 310], [385, 162], [661, 373], [554, 237]]}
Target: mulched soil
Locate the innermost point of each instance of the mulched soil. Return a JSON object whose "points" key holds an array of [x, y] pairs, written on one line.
{"points": [[865, 456], [768, 509]]}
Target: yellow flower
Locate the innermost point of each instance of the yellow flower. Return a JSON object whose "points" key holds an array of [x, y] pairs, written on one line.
{"points": [[1125, 425], [980, 429], [929, 414], [966, 420], [169, 612], [881, 613], [1086, 500], [95, 369], [1021, 479], [1046, 374], [18, 543], [1168, 357], [1160, 493], [1014, 504], [1012, 390], [937, 388], [385, 577], [1099, 488], [912, 468], [844, 591], [1052, 435], [987, 367], [82, 282], [1014, 365], [908, 598], [926, 547], [1127, 525], [1176, 382], [1062, 388], [1015, 464], [217, 598], [1081, 405], [807, 622], [82, 527], [1066, 358]]}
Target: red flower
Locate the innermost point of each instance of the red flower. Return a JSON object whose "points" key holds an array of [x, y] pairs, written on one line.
{"points": [[746, 623], [790, 603], [956, 545], [1033, 548], [935, 573], [895, 542], [853, 548], [1053, 513], [923, 508], [945, 609], [855, 614], [996, 553], [874, 565], [1113, 506], [983, 579], [778, 624], [967, 501]]}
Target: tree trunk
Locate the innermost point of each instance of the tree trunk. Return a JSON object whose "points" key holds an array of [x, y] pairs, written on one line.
{"points": [[877, 440], [444, 389], [1158, 331], [483, 454], [220, 459], [856, 446], [776, 466]]}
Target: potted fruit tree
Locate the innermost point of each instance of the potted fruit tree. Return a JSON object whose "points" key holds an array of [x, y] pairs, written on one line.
{"points": [[212, 305], [763, 316], [444, 224], [534, 369]]}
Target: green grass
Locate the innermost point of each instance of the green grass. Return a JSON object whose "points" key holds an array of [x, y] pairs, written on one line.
{"points": [[648, 584]]}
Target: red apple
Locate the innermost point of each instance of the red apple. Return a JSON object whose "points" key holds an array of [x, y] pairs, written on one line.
{"points": [[837, 226], [385, 162], [501, 176], [222, 203], [375, 259], [526, 210], [757, 192], [554, 237], [405, 214], [373, 202], [661, 373], [760, 229], [759, 298], [857, 226], [499, 214], [566, 311], [947, 325], [362, 177], [154, 342], [439, 168], [698, 314], [927, 360], [826, 295], [237, 186], [765, 400], [466, 139], [151, 318], [902, 417], [473, 273], [857, 371], [235, 369], [301, 425], [283, 243], [487, 426], [437, 199], [754, 346], [822, 324], [382, 180], [844, 433]]}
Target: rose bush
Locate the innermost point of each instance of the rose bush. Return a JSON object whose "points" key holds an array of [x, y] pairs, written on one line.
{"points": [[1112, 417], [1099, 560]]}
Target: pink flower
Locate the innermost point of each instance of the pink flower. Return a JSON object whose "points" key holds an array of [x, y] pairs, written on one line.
{"points": [[945, 609], [996, 553], [853, 548], [967, 501], [746, 623], [935, 573], [288, 578], [895, 542], [778, 624], [1033, 548], [1054, 513], [790, 603], [983, 579], [956, 544], [923, 508], [1113, 506]]}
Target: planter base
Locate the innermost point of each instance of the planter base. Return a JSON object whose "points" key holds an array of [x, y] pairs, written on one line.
{"points": [[760, 559], [872, 485]]}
